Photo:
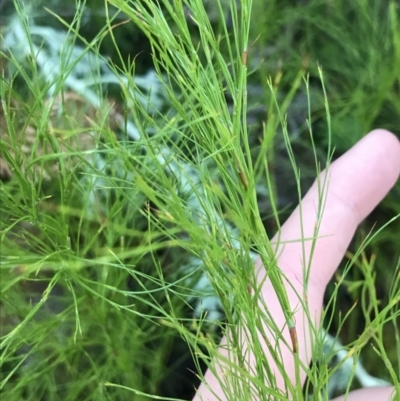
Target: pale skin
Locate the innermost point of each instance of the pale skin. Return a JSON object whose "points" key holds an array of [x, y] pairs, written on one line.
{"points": [[358, 181]]}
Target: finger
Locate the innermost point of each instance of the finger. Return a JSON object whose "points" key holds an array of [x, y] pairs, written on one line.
{"points": [[370, 394], [358, 181]]}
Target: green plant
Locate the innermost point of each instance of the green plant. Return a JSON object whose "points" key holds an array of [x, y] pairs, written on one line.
{"points": [[107, 203]]}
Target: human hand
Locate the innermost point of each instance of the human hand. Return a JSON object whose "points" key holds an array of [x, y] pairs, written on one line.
{"points": [[358, 181]]}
